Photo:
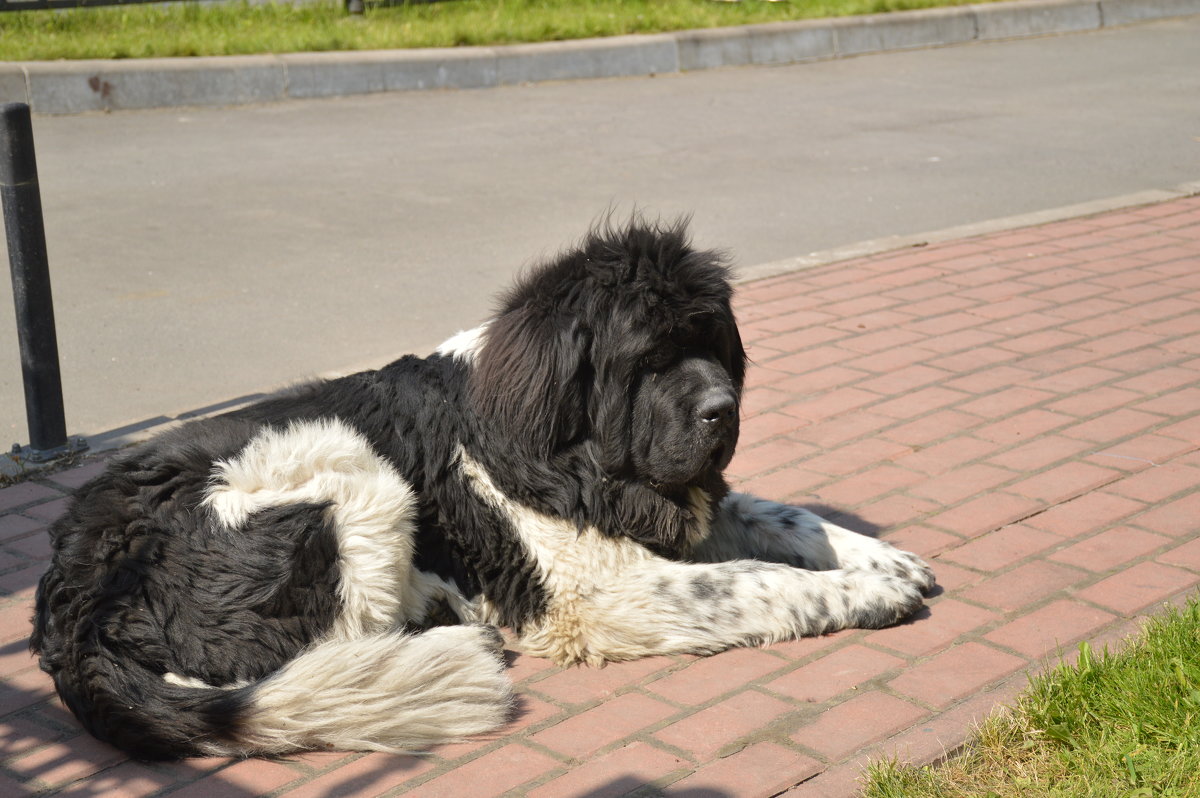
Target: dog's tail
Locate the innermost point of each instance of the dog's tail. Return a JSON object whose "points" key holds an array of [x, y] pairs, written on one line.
{"points": [[382, 692]]}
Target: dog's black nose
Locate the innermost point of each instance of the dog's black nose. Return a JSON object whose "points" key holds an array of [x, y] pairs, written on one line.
{"points": [[717, 406]]}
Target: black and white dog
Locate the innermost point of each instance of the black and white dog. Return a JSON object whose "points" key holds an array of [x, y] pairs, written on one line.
{"points": [[269, 580]]}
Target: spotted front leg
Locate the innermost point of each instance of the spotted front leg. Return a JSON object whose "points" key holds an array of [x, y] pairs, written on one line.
{"points": [[747, 527]]}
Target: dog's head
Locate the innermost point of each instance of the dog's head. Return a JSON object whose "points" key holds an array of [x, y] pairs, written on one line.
{"points": [[625, 347]]}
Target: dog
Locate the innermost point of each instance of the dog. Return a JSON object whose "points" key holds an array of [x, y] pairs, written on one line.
{"points": [[327, 568]]}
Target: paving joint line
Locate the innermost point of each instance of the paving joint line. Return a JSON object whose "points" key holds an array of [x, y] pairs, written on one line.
{"points": [[1003, 449], [1016, 475], [1034, 514]]}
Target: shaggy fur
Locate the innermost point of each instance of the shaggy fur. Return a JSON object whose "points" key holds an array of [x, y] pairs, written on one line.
{"points": [[274, 579]]}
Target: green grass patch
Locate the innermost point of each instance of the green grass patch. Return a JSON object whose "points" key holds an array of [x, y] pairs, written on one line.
{"points": [[1113, 725], [188, 29]]}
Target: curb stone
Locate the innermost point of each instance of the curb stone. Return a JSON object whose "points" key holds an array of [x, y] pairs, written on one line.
{"points": [[905, 241], [66, 87]]}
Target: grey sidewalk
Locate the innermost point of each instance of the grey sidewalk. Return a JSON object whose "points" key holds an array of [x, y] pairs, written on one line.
{"points": [[63, 87]]}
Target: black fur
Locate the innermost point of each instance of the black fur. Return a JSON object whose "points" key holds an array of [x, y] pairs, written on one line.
{"points": [[588, 356], [572, 406]]}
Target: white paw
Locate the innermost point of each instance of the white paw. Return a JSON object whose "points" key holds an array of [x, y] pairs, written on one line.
{"points": [[878, 599], [881, 557], [915, 570]]}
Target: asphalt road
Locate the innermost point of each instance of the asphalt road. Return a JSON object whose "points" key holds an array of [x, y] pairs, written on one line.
{"points": [[203, 255]]}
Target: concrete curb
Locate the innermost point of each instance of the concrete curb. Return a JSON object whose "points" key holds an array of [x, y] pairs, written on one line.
{"points": [[878, 246], [65, 87]]}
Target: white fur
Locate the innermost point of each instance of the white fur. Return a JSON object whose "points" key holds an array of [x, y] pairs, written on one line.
{"points": [[612, 599], [366, 685], [464, 344], [191, 681], [372, 507], [384, 692], [428, 588]]}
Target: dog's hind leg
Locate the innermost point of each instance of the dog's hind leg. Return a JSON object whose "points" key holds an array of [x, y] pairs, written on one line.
{"points": [[371, 507], [364, 684], [746, 527]]}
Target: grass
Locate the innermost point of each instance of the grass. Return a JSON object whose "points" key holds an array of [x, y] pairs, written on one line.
{"points": [[189, 29], [1119, 725]]}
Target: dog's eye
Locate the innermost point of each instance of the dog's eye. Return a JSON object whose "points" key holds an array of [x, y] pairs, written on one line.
{"points": [[660, 356], [697, 333]]}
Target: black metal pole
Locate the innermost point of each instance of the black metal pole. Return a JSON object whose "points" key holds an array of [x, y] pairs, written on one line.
{"points": [[27, 260]]}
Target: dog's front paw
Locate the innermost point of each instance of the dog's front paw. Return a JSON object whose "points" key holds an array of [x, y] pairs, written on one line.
{"points": [[878, 600], [909, 567], [878, 556]]}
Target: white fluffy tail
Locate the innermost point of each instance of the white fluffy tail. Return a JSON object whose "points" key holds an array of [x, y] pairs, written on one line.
{"points": [[385, 692]]}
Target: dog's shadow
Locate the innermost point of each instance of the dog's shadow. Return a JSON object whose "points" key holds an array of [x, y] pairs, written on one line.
{"points": [[845, 519], [856, 523]]}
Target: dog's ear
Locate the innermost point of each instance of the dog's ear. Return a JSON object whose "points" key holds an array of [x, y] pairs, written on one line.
{"points": [[532, 376], [735, 352], [611, 423]]}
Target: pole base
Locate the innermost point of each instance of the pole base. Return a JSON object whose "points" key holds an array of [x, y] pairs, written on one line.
{"points": [[28, 454]]}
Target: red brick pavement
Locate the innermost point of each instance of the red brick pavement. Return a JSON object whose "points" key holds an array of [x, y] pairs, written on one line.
{"points": [[1021, 407]]}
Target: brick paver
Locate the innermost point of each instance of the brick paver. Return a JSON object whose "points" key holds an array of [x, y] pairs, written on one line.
{"points": [[252, 776], [955, 673], [1022, 586], [615, 773], [1051, 628], [1023, 408], [862, 720]]}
